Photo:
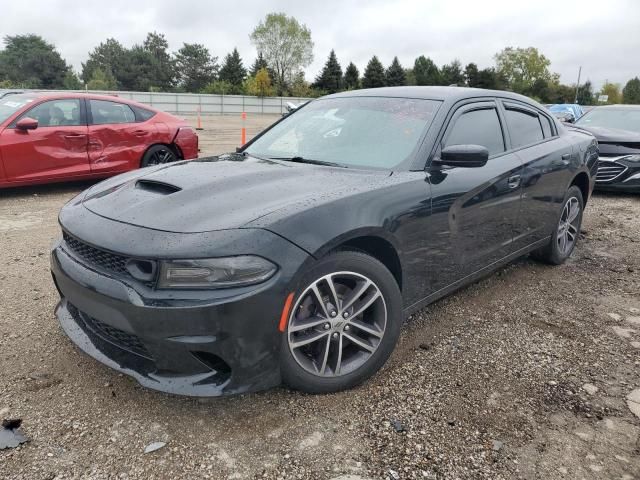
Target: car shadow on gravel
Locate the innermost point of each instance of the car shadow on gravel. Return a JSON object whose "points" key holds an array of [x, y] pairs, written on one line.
{"points": [[48, 189]]}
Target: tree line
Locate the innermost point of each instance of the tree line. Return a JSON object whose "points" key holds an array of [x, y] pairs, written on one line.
{"points": [[284, 49]]}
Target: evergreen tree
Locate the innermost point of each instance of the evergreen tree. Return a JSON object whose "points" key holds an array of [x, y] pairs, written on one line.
{"points": [[146, 67], [373, 74], [471, 75], [395, 76], [258, 64], [299, 86], [330, 78], [631, 91], [451, 74], [102, 80], [585, 93], [425, 71], [410, 76], [109, 55], [351, 77], [29, 61], [233, 71], [71, 81], [160, 68], [195, 67], [491, 79]]}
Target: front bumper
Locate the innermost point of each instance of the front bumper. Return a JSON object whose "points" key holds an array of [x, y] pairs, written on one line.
{"points": [[205, 343], [618, 174]]}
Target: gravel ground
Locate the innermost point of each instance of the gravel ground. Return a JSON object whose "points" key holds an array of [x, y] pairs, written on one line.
{"points": [[525, 374]]}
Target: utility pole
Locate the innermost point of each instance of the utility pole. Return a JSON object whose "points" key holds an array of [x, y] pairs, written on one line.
{"points": [[578, 83]]}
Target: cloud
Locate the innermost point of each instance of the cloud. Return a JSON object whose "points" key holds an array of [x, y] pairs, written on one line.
{"points": [[603, 39]]}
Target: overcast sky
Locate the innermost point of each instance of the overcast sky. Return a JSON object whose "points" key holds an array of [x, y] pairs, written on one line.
{"points": [[603, 37]]}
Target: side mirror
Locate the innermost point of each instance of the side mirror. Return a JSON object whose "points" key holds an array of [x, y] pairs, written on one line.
{"points": [[27, 123], [464, 156]]}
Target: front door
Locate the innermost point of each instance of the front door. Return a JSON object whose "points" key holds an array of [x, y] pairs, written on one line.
{"points": [[474, 210], [56, 149]]}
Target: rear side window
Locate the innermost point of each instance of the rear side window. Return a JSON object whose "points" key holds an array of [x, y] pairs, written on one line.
{"points": [[546, 126], [478, 127], [142, 114], [105, 112], [524, 127]]}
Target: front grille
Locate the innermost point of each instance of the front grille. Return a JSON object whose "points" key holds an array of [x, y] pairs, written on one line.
{"points": [[94, 256], [608, 171], [107, 261], [119, 338]]}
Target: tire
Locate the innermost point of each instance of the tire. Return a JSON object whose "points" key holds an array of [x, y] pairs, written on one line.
{"points": [[377, 327], [554, 253], [157, 155]]}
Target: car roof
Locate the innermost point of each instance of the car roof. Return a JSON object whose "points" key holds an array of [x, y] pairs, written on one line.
{"points": [[94, 96], [432, 93]]}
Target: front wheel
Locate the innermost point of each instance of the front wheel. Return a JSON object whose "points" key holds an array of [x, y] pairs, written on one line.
{"points": [[157, 155], [344, 324], [565, 235]]}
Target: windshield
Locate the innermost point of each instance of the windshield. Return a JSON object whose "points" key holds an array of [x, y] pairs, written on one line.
{"points": [[377, 132], [617, 118], [11, 104]]}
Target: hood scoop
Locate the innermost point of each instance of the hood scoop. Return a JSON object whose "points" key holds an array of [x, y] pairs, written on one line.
{"points": [[153, 186]]}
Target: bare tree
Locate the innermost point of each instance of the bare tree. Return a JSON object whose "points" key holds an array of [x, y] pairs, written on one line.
{"points": [[285, 44]]}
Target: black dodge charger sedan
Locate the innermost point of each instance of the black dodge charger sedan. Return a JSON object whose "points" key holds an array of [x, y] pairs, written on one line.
{"points": [[617, 129], [296, 259]]}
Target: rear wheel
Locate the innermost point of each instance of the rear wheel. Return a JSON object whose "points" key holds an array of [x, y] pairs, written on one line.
{"points": [[157, 155], [344, 324], [565, 235]]}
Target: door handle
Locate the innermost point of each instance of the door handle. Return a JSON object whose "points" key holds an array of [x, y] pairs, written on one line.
{"points": [[513, 181], [140, 133], [75, 135], [566, 156]]}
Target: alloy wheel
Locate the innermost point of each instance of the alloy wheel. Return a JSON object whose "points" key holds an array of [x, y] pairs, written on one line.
{"points": [[567, 233], [337, 324], [161, 156]]}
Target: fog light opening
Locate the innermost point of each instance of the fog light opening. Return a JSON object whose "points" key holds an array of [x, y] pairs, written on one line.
{"points": [[220, 367]]}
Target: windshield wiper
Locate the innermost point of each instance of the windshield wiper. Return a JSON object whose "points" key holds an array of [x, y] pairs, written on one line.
{"points": [[308, 160]]}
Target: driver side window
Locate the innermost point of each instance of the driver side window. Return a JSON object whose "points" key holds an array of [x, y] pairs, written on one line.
{"points": [[477, 127], [56, 113]]}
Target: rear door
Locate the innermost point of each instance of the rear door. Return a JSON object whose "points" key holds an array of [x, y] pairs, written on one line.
{"points": [[116, 141], [474, 210], [546, 158], [56, 149]]}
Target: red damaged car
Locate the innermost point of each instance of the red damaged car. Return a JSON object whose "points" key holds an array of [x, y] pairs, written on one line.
{"points": [[55, 137]]}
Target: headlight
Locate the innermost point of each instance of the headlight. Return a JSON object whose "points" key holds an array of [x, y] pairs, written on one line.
{"points": [[215, 272]]}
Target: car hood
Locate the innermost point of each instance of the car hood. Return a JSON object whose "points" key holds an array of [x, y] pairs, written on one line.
{"points": [[614, 142], [612, 135], [219, 193]]}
